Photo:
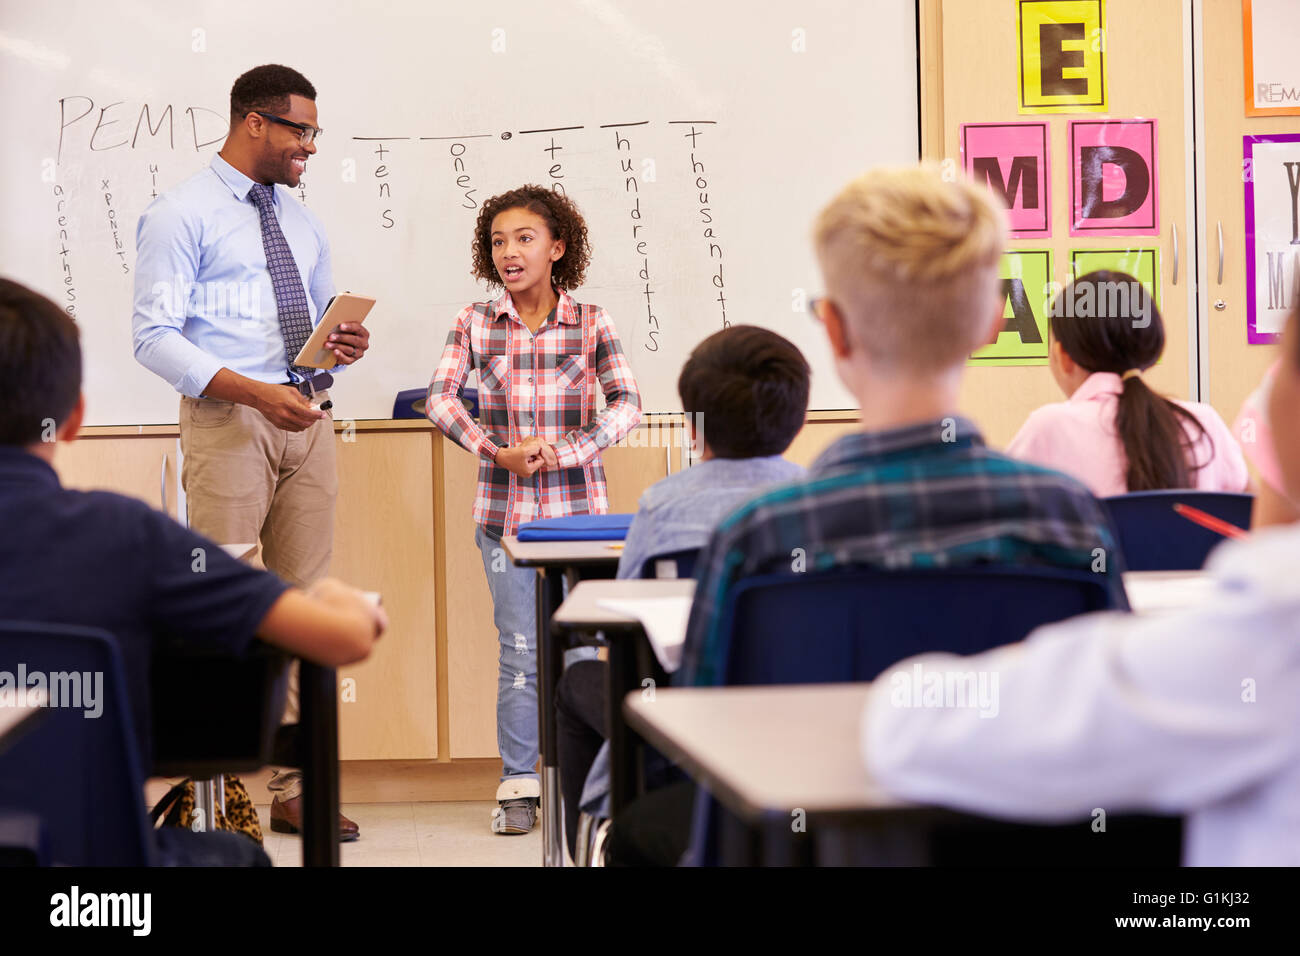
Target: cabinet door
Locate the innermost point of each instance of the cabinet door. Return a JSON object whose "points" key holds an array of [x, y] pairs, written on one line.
{"points": [[1145, 49], [1231, 367], [471, 636], [138, 466], [383, 541]]}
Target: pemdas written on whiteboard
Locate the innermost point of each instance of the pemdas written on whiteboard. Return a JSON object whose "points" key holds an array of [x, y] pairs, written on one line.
{"points": [[551, 154], [466, 154], [645, 185]]}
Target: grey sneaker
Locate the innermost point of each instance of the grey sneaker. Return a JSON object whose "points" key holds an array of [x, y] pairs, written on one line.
{"points": [[512, 817]]}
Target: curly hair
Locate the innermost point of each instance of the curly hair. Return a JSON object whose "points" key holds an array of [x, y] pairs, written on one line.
{"points": [[267, 88], [562, 218]]}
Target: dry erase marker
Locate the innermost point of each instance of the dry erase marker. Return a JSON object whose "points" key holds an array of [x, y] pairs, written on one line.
{"points": [[324, 406]]}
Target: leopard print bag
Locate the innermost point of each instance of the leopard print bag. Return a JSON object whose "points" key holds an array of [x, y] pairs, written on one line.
{"points": [[176, 809]]}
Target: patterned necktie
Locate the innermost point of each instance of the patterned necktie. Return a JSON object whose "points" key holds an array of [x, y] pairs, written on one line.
{"points": [[290, 297]]}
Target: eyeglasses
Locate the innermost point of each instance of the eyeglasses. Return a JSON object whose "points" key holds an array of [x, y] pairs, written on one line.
{"points": [[306, 134]]}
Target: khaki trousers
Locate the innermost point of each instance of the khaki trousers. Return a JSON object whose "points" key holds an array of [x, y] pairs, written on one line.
{"points": [[247, 481]]}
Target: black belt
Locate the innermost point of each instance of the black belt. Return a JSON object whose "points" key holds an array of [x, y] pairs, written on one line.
{"points": [[318, 382]]}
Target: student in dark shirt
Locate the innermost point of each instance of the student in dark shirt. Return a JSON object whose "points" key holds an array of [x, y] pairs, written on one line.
{"points": [[102, 560]]}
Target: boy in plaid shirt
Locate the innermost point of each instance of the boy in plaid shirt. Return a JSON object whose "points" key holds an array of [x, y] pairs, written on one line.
{"points": [[539, 356]]}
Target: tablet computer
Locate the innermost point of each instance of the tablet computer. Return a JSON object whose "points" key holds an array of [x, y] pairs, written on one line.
{"points": [[344, 307]]}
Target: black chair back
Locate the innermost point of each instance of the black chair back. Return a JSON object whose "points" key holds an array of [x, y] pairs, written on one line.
{"points": [[681, 564], [850, 624], [1154, 537], [77, 769]]}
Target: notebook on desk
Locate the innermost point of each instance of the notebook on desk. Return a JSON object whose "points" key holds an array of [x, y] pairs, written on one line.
{"points": [[611, 527]]}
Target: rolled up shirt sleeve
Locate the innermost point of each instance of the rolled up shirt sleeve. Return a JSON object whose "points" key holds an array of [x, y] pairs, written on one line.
{"points": [[442, 403], [167, 265]]}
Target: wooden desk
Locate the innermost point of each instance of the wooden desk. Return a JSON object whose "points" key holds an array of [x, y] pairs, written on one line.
{"points": [[582, 609], [751, 745], [1163, 592], [562, 554], [555, 562], [778, 756], [631, 662]]}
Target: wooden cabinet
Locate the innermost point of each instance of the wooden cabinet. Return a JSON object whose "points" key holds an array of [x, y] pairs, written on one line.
{"points": [[139, 462], [384, 540]]}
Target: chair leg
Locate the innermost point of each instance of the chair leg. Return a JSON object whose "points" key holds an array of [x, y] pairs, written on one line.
{"points": [[205, 802], [599, 840], [580, 843], [590, 843]]}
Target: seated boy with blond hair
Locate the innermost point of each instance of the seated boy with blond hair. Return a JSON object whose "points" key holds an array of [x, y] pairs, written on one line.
{"points": [[910, 263]]}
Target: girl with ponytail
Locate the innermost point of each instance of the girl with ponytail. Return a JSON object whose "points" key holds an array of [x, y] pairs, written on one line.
{"points": [[1114, 433]]}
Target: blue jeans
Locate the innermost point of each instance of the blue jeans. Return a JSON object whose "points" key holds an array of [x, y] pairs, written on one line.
{"points": [[514, 612]]}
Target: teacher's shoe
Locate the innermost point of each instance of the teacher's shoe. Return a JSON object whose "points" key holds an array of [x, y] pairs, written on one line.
{"points": [[286, 817], [516, 810]]}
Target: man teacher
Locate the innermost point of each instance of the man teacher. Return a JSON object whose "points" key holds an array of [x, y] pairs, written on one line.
{"points": [[232, 275]]}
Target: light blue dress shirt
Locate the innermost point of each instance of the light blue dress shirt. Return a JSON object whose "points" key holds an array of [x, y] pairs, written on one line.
{"points": [[203, 295], [680, 512]]}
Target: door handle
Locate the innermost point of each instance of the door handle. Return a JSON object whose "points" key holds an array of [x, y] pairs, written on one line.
{"points": [[1175, 230], [1220, 231], [162, 483]]}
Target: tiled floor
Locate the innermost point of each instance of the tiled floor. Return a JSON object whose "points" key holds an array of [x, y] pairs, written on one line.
{"points": [[417, 834]]}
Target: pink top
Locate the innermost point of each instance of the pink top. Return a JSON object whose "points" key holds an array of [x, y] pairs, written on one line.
{"points": [[1256, 437], [1078, 437]]}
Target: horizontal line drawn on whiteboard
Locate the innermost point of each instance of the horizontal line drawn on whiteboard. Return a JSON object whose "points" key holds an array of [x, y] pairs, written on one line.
{"points": [[617, 125], [470, 136], [554, 129], [697, 122], [375, 139]]}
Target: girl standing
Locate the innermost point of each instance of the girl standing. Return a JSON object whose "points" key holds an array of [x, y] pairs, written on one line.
{"points": [[540, 356]]}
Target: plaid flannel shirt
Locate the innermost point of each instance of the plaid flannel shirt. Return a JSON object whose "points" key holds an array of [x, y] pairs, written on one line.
{"points": [[901, 498], [541, 384]]}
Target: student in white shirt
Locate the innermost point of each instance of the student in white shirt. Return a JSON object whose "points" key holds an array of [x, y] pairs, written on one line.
{"points": [[1114, 433], [1194, 713]]}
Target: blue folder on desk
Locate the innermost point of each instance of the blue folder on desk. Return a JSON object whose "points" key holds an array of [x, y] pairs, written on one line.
{"points": [[577, 528]]}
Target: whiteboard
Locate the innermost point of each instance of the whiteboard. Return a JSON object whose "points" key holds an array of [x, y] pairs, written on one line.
{"points": [[737, 117]]}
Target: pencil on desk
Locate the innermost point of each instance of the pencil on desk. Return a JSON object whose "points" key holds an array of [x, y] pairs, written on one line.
{"points": [[1216, 525]]}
